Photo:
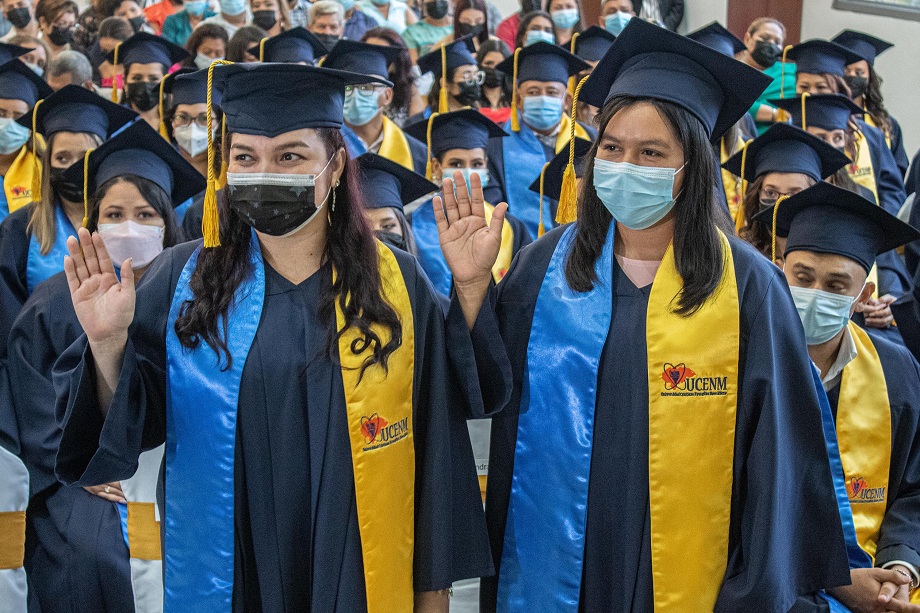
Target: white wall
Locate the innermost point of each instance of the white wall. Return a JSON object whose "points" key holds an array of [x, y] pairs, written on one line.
{"points": [[897, 66], [698, 13]]}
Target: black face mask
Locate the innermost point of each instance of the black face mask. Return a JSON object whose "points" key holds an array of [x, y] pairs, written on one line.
{"points": [[20, 17], [464, 29], [469, 93], [857, 85], [264, 19], [437, 9], [766, 53], [392, 239], [60, 36], [275, 210], [65, 190], [143, 95], [494, 78], [328, 40], [137, 23]]}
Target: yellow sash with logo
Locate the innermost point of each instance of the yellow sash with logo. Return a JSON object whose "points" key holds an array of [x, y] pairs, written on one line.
{"points": [[17, 183], [864, 436], [379, 405], [395, 145], [505, 251], [862, 171], [693, 391], [565, 128]]}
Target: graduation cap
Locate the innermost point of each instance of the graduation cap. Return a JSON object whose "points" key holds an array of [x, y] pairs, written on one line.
{"points": [[446, 58], [821, 56], [592, 44], [865, 46], [549, 183], [388, 184], [361, 58], [9, 52], [190, 86], [785, 148], [829, 219], [290, 47], [463, 129], [826, 111], [144, 48], [715, 36], [139, 151], [19, 82]]}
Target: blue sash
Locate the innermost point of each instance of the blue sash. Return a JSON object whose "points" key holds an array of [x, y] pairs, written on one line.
{"points": [[524, 156], [182, 209], [353, 143], [200, 443], [41, 267], [430, 256], [4, 205], [533, 578]]}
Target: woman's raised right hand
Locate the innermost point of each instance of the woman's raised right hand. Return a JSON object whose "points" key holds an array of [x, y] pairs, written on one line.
{"points": [[104, 306]]}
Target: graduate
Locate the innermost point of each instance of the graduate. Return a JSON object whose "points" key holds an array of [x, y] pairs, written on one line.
{"points": [[460, 141], [366, 127], [866, 89], [832, 239], [294, 46], [78, 536], [457, 78], [539, 129], [352, 488], [590, 46], [644, 461]]}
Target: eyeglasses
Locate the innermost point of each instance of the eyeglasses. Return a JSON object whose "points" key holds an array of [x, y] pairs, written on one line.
{"points": [[367, 88], [183, 119], [768, 197], [471, 77]]}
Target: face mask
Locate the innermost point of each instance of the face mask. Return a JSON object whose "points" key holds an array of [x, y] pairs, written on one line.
{"points": [[565, 18], [615, 22], [130, 239], [380, 2], [264, 19], [361, 108], [468, 172], [202, 61], [766, 53], [233, 7], [857, 85], [538, 36], [274, 204], [392, 239], [61, 36], [195, 7], [465, 29], [137, 23], [19, 17], [542, 112], [437, 9], [469, 93], [143, 95], [823, 314], [193, 139], [65, 190], [328, 40], [12, 135], [494, 78], [347, 4], [637, 196], [36, 69]]}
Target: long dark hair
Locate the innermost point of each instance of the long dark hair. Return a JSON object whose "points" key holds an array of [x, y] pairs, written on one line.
{"points": [[350, 248], [400, 71], [875, 104], [476, 5], [485, 49], [697, 247], [200, 34], [521, 36], [152, 193]]}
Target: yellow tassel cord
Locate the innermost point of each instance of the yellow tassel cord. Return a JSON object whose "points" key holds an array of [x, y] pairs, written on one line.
{"points": [[739, 214], [571, 86], [568, 196], [224, 167], [210, 222], [36, 164], [804, 122], [86, 187], [114, 80], [515, 123], [442, 97], [541, 230], [428, 162], [262, 49], [163, 131], [773, 232], [782, 73]]}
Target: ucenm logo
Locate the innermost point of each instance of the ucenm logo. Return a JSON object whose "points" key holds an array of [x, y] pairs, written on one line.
{"points": [[378, 432], [679, 380], [859, 491]]}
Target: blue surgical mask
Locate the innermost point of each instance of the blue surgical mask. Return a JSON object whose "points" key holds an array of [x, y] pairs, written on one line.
{"points": [[823, 314], [361, 107], [347, 4], [36, 69], [542, 112], [637, 196], [233, 7], [12, 136], [202, 61], [468, 172], [565, 18], [538, 36], [380, 2], [615, 22], [195, 7]]}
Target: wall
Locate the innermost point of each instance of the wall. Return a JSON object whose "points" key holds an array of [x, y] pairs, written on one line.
{"points": [[698, 13], [897, 66]]}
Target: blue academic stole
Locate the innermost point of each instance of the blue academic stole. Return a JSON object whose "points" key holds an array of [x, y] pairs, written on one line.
{"points": [[182, 210], [353, 143], [430, 256], [41, 267], [524, 157]]}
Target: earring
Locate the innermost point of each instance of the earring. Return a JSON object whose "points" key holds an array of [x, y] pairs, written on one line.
{"points": [[333, 195]]}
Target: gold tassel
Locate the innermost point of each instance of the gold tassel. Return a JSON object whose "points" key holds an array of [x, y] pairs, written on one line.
{"points": [[86, 187], [163, 132], [541, 230], [428, 161], [210, 222], [115, 78], [568, 196], [262, 49], [442, 97], [515, 122], [804, 121], [571, 85], [773, 233], [782, 73], [739, 214], [222, 179], [36, 163]]}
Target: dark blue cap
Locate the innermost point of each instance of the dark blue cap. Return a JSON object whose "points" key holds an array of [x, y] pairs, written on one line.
{"points": [[463, 129], [190, 86], [290, 47], [715, 36], [825, 111], [19, 82], [821, 57], [593, 43], [361, 58], [387, 184], [829, 219], [552, 176], [76, 109], [144, 48], [459, 53], [8, 52], [271, 99], [865, 46], [785, 148], [647, 61], [140, 151], [543, 62]]}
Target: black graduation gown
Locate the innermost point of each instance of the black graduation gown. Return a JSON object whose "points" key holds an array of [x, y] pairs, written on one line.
{"points": [[14, 257], [888, 179], [297, 541], [897, 146], [191, 223], [785, 536]]}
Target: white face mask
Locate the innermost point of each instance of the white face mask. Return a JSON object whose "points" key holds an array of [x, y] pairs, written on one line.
{"points": [[130, 239], [202, 61], [193, 139]]}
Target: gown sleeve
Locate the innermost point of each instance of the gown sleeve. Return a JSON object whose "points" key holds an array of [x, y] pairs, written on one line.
{"points": [[897, 146], [14, 253], [96, 449], [889, 183]]}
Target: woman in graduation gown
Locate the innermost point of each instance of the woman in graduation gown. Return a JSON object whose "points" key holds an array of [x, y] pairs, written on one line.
{"points": [[698, 483], [75, 535], [348, 487]]}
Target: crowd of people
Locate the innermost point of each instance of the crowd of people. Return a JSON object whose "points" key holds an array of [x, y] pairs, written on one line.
{"points": [[330, 306]]}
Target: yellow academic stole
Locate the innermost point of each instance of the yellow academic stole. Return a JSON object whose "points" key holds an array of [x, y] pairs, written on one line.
{"points": [[506, 249], [380, 427], [565, 128], [693, 395], [17, 183], [395, 145]]}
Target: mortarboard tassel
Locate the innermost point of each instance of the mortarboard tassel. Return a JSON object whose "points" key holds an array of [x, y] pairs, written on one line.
{"points": [[114, 79], [739, 214], [782, 73], [804, 122], [515, 122], [568, 196], [86, 187], [210, 222], [163, 131], [442, 95], [428, 160], [224, 167], [541, 230], [571, 86], [36, 163], [773, 231], [262, 49]]}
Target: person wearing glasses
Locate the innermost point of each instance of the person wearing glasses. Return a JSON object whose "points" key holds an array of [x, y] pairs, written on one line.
{"points": [[461, 82], [366, 127]]}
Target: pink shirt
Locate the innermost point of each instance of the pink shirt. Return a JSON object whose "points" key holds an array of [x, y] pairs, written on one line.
{"points": [[507, 29], [640, 272]]}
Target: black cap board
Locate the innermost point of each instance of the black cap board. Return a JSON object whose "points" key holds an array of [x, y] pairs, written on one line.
{"points": [[864, 45], [785, 148], [76, 109], [385, 183]]}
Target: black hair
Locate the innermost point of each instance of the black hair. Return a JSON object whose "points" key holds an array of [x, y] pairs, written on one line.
{"points": [[153, 194]]}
